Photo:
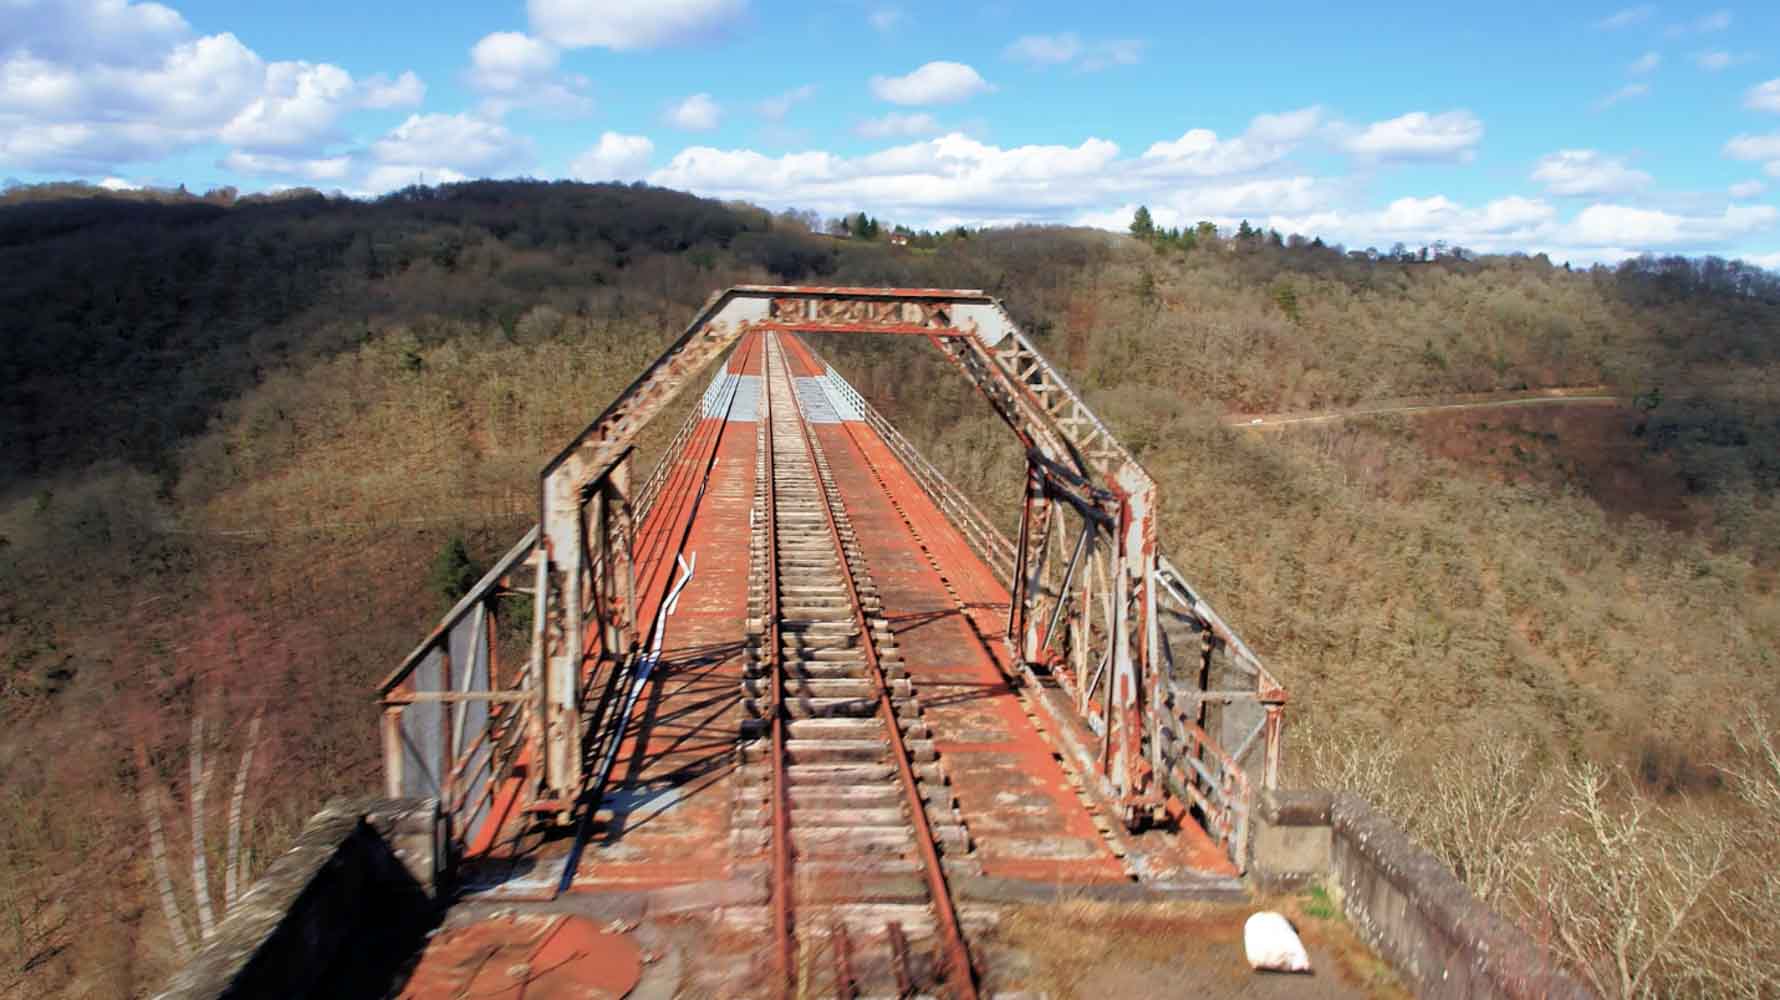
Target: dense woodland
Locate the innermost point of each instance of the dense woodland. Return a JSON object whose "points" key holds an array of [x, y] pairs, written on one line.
{"points": [[240, 432]]}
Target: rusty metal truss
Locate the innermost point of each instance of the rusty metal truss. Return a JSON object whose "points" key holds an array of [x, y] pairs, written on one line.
{"points": [[1176, 703]]}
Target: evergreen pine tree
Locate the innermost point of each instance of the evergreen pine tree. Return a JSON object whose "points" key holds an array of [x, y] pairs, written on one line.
{"points": [[1142, 226]]}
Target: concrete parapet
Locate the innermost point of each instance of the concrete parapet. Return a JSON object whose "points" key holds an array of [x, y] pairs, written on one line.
{"points": [[1292, 839], [334, 916], [1403, 901]]}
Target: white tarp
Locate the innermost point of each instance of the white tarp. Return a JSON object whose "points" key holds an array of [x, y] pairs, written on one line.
{"points": [[1272, 945]]}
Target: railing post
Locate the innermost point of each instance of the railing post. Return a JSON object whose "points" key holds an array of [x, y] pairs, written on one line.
{"points": [[392, 751], [539, 704], [447, 712]]}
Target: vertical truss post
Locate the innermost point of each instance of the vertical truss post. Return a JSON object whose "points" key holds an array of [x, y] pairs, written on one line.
{"points": [[1120, 682], [1275, 723], [1035, 532], [562, 724], [1084, 627], [1016, 619]]}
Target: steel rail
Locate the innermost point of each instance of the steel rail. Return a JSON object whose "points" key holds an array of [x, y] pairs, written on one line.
{"points": [[956, 950], [782, 889]]}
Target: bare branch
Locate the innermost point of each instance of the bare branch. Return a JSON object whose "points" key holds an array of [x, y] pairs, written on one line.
{"points": [[200, 863], [235, 867], [157, 852]]}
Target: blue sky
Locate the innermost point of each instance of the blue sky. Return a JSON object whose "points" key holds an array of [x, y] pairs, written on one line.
{"points": [[1590, 132]]}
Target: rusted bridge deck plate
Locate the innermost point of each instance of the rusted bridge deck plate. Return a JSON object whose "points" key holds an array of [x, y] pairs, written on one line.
{"points": [[666, 818]]}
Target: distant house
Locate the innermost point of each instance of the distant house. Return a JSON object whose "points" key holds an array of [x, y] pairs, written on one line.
{"points": [[899, 239]]}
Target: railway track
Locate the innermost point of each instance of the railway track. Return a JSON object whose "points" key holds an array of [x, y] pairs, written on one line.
{"points": [[840, 781]]}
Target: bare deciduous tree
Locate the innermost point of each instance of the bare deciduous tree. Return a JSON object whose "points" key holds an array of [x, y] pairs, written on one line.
{"points": [[1619, 885], [1480, 813]]}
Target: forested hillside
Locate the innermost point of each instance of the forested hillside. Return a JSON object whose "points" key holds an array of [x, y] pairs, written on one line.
{"points": [[240, 433]]}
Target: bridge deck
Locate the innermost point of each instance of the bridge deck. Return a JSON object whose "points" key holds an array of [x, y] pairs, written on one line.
{"points": [[669, 821], [668, 814]]}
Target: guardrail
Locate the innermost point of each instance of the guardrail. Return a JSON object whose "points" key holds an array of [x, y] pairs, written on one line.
{"points": [[1199, 772], [658, 478], [460, 727], [1212, 719], [454, 727], [981, 533]]}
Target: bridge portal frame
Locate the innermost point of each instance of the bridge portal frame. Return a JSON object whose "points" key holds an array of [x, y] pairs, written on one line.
{"points": [[1112, 663]]}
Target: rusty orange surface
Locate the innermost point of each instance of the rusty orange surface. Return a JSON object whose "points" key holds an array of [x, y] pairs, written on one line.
{"points": [[666, 819], [526, 958]]}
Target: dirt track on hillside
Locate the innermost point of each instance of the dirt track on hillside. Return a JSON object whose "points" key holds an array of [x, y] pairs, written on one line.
{"points": [[1580, 395]]}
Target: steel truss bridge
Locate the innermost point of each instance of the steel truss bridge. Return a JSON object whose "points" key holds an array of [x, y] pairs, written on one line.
{"points": [[798, 676]]}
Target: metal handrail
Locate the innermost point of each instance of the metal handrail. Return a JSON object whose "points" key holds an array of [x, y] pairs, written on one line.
{"points": [[989, 542], [484, 588], [1223, 794]]}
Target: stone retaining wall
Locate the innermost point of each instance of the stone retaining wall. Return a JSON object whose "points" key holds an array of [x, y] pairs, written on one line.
{"points": [[334, 916], [1403, 901]]}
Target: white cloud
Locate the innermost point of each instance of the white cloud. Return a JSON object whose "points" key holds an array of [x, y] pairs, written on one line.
{"points": [[1718, 60], [1587, 172], [1046, 50], [952, 179], [1754, 147], [1068, 47], [300, 105], [1647, 63], [1259, 198], [1625, 93], [934, 83], [1431, 217], [1451, 135], [86, 85], [1718, 20], [624, 25], [512, 69], [85, 117], [918, 181], [617, 157], [118, 184], [1763, 96], [393, 176], [379, 91], [777, 107], [1757, 148], [335, 169], [507, 60], [103, 31], [885, 19], [1747, 189], [460, 142], [1201, 153], [1512, 223], [1598, 232], [1627, 17], [1771, 261], [697, 113], [898, 125], [1623, 225], [1117, 52]]}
